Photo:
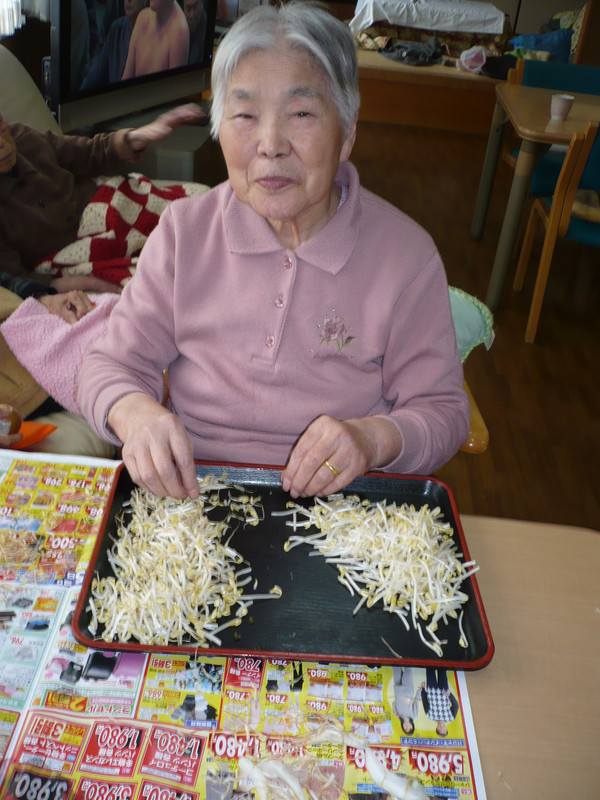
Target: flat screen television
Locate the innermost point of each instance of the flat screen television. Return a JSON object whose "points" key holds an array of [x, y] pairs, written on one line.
{"points": [[113, 59]]}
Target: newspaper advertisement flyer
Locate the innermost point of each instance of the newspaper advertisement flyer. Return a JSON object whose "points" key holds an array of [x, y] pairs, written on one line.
{"points": [[50, 515], [77, 722]]}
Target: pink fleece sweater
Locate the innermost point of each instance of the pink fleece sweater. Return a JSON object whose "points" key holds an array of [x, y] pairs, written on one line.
{"points": [[260, 340]]}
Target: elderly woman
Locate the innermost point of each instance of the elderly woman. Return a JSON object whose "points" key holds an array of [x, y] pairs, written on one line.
{"points": [[303, 321]]}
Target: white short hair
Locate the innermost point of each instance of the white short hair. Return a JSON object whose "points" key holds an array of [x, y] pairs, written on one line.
{"points": [[304, 26]]}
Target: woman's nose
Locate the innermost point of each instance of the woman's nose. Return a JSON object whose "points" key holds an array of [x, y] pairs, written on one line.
{"points": [[273, 141]]}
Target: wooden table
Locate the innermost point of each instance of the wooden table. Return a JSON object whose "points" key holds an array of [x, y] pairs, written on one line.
{"points": [[436, 96], [536, 707], [528, 110]]}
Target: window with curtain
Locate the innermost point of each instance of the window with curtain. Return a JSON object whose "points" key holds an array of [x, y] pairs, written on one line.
{"points": [[13, 13]]}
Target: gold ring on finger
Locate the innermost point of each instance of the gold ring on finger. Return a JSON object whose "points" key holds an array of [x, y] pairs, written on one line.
{"points": [[330, 467]]}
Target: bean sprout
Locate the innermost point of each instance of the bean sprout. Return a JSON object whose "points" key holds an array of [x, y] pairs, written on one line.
{"points": [[21, 548], [174, 575], [402, 557]]}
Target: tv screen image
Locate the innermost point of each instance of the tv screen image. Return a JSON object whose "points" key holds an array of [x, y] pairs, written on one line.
{"points": [[114, 58]]}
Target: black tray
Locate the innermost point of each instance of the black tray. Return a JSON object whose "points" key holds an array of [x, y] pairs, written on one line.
{"points": [[313, 620]]}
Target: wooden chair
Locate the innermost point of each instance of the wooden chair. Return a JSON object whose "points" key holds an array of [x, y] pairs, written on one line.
{"points": [[581, 169], [473, 324], [479, 437]]}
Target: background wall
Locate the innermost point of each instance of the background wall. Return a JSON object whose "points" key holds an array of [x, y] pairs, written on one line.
{"points": [[534, 13], [32, 42]]}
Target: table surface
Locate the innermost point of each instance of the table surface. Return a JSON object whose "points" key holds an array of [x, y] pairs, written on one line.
{"points": [[528, 109], [536, 707], [372, 64]]}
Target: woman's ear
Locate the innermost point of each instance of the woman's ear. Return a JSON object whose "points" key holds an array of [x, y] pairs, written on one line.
{"points": [[348, 142]]}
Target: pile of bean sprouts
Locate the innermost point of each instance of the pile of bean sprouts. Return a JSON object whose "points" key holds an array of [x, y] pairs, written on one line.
{"points": [[174, 575], [18, 548], [403, 557]]}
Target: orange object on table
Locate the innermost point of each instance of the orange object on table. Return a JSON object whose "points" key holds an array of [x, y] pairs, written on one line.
{"points": [[33, 433]]}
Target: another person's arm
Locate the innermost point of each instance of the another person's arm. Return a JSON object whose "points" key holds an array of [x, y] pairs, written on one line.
{"points": [[102, 153], [70, 306], [138, 139], [24, 286], [11, 262], [6, 414]]}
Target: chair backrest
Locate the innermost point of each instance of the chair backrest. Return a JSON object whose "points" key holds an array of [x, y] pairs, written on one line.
{"points": [[559, 75], [581, 169], [590, 178], [20, 98]]}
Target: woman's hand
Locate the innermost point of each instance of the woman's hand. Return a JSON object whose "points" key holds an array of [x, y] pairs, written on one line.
{"points": [[331, 453], [157, 450], [70, 306], [84, 283]]}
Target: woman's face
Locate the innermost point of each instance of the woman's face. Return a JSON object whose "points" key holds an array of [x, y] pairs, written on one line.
{"points": [[8, 148], [282, 141]]}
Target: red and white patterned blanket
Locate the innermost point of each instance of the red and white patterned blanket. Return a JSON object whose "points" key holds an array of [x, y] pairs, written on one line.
{"points": [[114, 227]]}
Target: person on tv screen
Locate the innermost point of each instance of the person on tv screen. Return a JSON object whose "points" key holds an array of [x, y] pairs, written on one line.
{"points": [[303, 320], [80, 43], [113, 9], [160, 40], [196, 20], [107, 67]]}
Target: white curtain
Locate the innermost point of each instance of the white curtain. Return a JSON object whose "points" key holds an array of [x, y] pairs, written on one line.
{"points": [[12, 13], [10, 16], [37, 8]]}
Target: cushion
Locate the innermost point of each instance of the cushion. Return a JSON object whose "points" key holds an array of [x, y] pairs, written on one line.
{"points": [[51, 349], [21, 100], [473, 322]]}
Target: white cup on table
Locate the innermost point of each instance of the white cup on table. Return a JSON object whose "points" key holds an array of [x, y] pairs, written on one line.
{"points": [[560, 105]]}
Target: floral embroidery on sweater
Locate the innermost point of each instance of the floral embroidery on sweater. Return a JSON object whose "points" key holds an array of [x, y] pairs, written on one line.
{"points": [[334, 331]]}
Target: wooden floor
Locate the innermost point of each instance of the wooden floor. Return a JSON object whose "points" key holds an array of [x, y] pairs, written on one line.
{"points": [[541, 402]]}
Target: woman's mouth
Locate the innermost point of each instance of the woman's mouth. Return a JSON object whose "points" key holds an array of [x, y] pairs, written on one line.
{"points": [[274, 182]]}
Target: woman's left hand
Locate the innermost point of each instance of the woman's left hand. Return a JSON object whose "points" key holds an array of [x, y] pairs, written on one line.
{"points": [[331, 453]]}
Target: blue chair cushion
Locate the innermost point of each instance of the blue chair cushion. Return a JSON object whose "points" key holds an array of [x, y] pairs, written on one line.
{"points": [[545, 173], [584, 231], [580, 230], [562, 77], [557, 43]]}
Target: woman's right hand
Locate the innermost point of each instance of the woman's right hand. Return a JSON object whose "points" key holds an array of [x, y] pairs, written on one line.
{"points": [[157, 450]]}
